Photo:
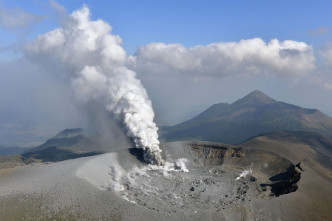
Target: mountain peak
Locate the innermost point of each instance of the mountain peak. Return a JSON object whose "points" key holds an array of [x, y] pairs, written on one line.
{"points": [[254, 98], [249, 116], [257, 93], [71, 132]]}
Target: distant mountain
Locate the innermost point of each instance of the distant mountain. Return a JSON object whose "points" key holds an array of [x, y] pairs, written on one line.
{"points": [[69, 139], [249, 116], [68, 144], [5, 151]]}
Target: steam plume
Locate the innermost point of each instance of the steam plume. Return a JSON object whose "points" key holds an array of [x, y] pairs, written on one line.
{"points": [[96, 65]]}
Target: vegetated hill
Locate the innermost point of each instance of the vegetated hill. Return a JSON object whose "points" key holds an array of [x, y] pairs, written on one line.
{"points": [[254, 114], [68, 144]]}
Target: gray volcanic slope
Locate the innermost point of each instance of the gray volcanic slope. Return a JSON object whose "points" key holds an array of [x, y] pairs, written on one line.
{"points": [[250, 116], [259, 180]]}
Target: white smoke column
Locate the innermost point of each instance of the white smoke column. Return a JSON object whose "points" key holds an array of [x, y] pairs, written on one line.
{"points": [[244, 173], [96, 66]]}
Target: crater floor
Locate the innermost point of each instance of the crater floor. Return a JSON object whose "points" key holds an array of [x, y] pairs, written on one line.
{"points": [[202, 188], [197, 176], [201, 181]]}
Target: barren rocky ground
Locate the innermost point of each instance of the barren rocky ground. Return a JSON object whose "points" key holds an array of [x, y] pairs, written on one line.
{"points": [[201, 181]]}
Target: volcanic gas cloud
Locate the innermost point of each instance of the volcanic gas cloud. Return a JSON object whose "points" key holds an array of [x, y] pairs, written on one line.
{"points": [[95, 63]]}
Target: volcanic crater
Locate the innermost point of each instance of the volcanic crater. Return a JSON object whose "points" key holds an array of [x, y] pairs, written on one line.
{"points": [[217, 177]]}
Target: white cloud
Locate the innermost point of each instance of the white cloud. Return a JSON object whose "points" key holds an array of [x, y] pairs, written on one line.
{"points": [[326, 53], [11, 47], [246, 57], [80, 42], [16, 19], [58, 7], [319, 31], [321, 82]]}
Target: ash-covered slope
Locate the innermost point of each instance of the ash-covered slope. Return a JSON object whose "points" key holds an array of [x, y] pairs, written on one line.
{"points": [[250, 116], [297, 146]]}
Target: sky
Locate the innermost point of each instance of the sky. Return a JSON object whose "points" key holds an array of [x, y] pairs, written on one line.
{"points": [[188, 55]]}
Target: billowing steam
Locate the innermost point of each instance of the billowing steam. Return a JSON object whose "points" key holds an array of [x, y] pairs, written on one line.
{"points": [[96, 66], [244, 173]]}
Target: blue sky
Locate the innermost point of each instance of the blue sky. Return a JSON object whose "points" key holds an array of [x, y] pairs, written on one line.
{"points": [[195, 22], [223, 51]]}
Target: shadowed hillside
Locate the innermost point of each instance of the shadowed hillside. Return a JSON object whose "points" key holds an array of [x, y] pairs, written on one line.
{"points": [[69, 139], [68, 144]]}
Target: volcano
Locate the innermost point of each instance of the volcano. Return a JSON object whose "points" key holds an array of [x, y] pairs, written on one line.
{"points": [[249, 116]]}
